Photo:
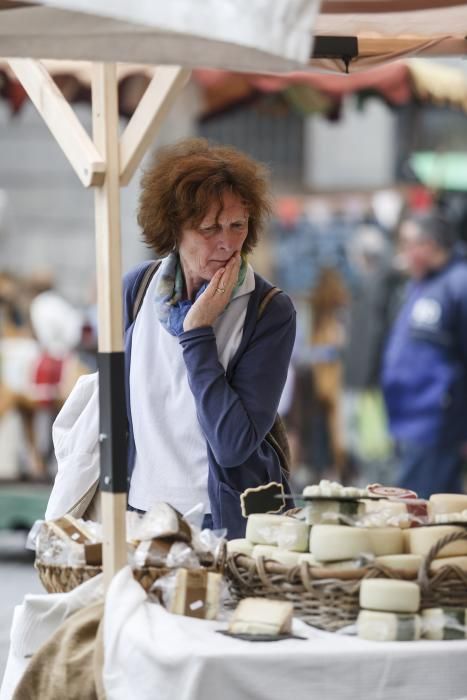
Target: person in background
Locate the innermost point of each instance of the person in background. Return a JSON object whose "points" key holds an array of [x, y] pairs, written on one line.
{"points": [[424, 376]]}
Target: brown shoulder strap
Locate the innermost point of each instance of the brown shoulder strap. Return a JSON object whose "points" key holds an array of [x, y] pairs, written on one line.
{"points": [[266, 299], [143, 286]]}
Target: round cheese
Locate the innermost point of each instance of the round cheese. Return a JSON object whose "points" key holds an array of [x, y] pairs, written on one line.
{"points": [[444, 623], [438, 564], [293, 535], [239, 546], [388, 627], [282, 556], [409, 563], [447, 502], [386, 540], [335, 542], [421, 539], [389, 595]]}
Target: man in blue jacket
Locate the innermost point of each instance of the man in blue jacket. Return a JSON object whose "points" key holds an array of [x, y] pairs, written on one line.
{"points": [[425, 362]]}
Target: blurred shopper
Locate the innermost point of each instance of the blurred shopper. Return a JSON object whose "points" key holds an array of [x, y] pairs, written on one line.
{"points": [[425, 364]]}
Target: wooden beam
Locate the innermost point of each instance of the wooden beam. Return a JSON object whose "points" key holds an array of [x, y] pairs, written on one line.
{"points": [[61, 120], [161, 93], [109, 297]]}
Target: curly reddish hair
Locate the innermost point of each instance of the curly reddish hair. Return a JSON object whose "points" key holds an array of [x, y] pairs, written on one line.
{"points": [[184, 180]]}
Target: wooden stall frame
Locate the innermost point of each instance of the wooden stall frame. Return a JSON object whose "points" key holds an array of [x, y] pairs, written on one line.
{"points": [[106, 162]]}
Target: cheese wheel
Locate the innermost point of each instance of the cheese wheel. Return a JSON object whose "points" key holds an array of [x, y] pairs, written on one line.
{"points": [[386, 540], [438, 564], [421, 539], [262, 616], [327, 512], [261, 528], [335, 542], [448, 502], [444, 623], [240, 546], [388, 627], [409, 563], [283, 556], [389, 595], [293, 535]]}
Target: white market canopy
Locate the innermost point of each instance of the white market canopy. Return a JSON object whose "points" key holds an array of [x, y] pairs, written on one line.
{"points": [[242, 35]]}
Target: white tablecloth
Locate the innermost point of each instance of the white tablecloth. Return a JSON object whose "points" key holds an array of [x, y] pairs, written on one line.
{"points": [[152, 654]]}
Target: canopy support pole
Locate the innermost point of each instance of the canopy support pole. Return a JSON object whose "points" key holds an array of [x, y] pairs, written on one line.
{"points": [[148, 117], [61, 120], [113, 424]]}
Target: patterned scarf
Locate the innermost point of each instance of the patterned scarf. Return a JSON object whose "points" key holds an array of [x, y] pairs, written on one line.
{"points": [[171, 308]]}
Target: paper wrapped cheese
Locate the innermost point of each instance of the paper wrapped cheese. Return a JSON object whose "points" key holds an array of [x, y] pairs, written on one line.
{"points": [[83, 547], [444, 623], [422, 539], [389, 595], [196, 594], [384, 513], [331, 511], [281, 530], [388, 627], [163, 521], [334, 542], [261, 616]]}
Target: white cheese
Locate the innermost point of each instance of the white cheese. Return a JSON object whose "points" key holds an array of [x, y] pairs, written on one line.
{"points": [[388, 627], [389, 595], [335, 542]]}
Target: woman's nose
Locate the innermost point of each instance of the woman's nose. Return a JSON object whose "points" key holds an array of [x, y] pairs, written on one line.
{"points": [[226, 239]]}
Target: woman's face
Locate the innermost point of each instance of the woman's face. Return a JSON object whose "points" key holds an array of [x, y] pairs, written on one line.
{"points": [[207, 248]]}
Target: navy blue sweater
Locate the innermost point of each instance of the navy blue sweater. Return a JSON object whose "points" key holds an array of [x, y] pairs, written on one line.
{"points": [[425, 363], [236, 408]]}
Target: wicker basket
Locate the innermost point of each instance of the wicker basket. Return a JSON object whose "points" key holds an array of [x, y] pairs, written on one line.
{"points": [[446, 587], [61, 579], [328, 599]]}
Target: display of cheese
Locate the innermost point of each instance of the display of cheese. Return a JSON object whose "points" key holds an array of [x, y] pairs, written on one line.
{"points": [[389, 595], [328, 511], [163, 521], [283, 556], [447, 503], [388, 627], [409, 563], [386, 540], [444, 623], [77, 536], [421, 539], [262, 616], [281, 530], [240, 546], [438, 564], [334, 542], [328, 489], [384, 513], [196, 594]]}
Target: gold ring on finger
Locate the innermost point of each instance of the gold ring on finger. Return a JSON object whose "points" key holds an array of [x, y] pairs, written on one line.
{"points": [[220, 290]]}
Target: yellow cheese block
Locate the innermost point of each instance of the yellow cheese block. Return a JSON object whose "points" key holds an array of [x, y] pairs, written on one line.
{"points": [[410, 563], [438, 564], [421, 539], [336, 542], [386, 540], [389, 595], [447, 503]]}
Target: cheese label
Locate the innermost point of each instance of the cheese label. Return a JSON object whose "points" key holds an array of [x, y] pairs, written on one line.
{"points": [[268, 498]]}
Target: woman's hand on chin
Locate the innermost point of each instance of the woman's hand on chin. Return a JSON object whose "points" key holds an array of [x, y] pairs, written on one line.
{"points": [[209, 306]]}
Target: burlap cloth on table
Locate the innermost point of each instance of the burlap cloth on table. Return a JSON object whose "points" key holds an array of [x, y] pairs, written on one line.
{"points": [[69, 665]]}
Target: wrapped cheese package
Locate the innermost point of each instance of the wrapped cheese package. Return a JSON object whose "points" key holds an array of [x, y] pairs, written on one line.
{"points": [[388, 627], [191, 592], [281, 530], [262, 616]]}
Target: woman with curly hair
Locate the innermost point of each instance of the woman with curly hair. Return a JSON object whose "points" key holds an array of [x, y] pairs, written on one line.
{"points": [[206, 357]]}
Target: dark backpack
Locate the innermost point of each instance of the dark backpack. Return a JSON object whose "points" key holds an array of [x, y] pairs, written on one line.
{"points": [[277, 436]]}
